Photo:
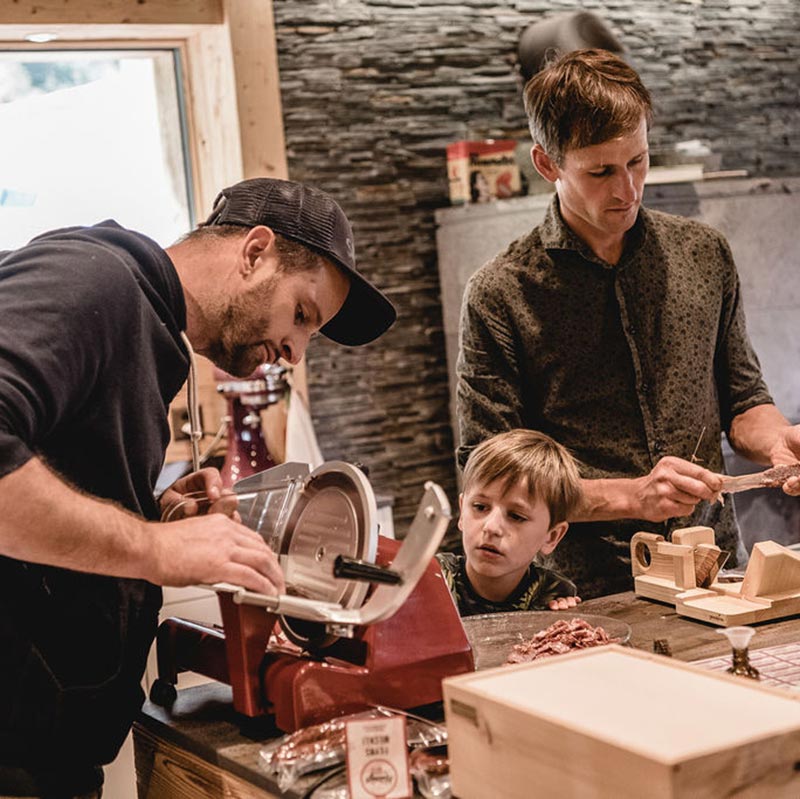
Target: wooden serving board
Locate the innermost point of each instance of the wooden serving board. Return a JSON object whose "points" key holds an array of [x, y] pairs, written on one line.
{"points": [[683, 573], [618, 723]]}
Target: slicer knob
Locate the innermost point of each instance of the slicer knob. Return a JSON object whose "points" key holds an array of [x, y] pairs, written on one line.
{"points": [[353, 569]]}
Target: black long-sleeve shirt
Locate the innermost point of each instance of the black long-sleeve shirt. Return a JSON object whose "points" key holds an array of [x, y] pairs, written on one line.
{"points": [[90, 357], [535, 591]]}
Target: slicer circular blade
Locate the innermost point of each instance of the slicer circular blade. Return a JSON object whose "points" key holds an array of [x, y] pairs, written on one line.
{"points": [[335, 514]]}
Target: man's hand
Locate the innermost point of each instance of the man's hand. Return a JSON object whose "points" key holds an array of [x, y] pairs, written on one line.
{"points": [[763, 435], [212, 549], [673, 488], [186, 497], [564, 603], [787, 451]]}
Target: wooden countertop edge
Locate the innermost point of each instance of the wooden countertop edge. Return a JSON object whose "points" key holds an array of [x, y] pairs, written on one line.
{"points": [[202, 723]]}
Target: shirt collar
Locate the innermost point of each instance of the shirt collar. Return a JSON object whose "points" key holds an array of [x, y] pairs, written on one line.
{"points": [[556, 234]]}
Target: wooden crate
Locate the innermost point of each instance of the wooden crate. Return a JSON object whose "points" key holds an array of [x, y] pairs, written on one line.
{"points": [[616, 723]]}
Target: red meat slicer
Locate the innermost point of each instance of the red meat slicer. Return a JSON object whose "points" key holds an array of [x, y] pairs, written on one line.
{"points": [[368, 621]]}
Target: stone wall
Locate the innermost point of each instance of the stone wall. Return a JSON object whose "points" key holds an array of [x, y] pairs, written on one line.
{"points": [[372, 92]]}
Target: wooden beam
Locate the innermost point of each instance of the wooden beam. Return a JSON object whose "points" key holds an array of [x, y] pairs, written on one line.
{"points": [[212, 116], [255, 61], [101, 12]]}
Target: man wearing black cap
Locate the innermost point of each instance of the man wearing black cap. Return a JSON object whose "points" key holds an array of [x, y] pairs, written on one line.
{"points": [[98, 326]]}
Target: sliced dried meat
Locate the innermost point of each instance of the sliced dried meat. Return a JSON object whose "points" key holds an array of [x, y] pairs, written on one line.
{"points": [[309, 742], [774, 477], [778, 475], [559, 638]]}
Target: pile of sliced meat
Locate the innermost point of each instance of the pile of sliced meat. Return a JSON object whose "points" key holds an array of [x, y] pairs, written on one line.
{"points": [[558, 639]]}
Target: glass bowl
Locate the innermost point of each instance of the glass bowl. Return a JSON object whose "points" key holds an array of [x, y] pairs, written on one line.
{"points": [[492, 635]]}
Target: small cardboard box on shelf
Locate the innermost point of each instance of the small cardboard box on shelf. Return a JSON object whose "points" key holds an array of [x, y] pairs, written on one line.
{"points": [[481, 171]]}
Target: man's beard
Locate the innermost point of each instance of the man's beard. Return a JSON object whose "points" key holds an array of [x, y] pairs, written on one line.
{"points": [[240, 360], [228, 352]]}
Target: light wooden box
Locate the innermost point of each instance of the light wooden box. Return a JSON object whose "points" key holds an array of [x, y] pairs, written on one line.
{"points": [[616, 723]]}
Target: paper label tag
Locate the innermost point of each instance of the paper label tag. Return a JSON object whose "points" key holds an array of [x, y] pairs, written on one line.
{"points": [[377, 759]]}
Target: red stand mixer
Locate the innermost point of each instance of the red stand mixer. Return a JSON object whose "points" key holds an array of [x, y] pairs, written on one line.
{"points": [[247, 451], [369, 621]]}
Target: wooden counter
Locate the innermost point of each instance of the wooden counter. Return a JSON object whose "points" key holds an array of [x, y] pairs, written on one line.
{"points": [[201, 750]]}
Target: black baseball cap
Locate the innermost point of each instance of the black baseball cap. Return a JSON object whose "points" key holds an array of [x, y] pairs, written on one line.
{"points": [[314, 219]]}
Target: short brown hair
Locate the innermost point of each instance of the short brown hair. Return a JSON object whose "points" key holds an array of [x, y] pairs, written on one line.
{"points": [[544, 466], [294, 257], [582, 98]]}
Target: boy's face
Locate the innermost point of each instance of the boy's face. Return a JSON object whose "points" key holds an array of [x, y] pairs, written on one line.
{"points": [[502, 531]]}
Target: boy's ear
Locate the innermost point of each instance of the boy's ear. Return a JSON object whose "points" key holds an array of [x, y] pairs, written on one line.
{"points": [[554, 535], [543, 163], [460, 507]]}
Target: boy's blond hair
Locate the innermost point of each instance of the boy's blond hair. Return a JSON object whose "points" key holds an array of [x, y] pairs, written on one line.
{"points": [[543, 466]]}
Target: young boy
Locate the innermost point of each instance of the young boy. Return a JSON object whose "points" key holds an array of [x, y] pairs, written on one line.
{"points": [[519, 489]]}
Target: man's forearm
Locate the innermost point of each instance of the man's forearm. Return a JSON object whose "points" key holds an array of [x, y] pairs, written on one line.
{"points": [[758, 433], [604, 500], [673, 487], [44, 520]]}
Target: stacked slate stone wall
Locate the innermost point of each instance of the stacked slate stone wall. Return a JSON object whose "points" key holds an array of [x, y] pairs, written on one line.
{"points": [[373, 90]]}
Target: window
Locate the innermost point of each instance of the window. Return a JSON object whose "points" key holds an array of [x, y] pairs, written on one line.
{"points": [[87, 135]]}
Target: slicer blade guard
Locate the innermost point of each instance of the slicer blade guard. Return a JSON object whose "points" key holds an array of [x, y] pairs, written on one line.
{"points": [[415, 553], [307, 519]]}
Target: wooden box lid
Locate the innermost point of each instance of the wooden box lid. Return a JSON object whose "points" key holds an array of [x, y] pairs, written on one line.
{"points": [[615, 722]]}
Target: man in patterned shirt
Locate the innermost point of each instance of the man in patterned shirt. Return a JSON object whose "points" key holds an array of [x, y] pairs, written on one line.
{"points": [[519, 488], [617, 330]]}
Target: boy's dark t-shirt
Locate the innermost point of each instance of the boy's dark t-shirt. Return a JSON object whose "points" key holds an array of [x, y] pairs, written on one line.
{"points": [[535, 591]]}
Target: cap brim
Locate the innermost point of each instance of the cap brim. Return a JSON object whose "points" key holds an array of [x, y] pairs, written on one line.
{"points": [[365, 315]]}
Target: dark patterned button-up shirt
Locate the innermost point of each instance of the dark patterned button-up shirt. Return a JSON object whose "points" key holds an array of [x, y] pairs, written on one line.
{"points": [[622, 364], [536, 590]]}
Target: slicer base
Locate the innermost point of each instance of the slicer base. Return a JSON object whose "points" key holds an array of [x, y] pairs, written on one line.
{"points": [[404, 658]]}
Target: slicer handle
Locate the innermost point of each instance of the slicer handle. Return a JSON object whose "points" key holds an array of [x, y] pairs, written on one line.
{"points": [[353, 569]]}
